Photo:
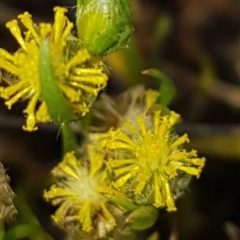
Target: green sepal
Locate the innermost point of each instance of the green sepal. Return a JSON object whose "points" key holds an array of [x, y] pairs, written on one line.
{"points": [[167, 89], [57, 105], [142, 218]]}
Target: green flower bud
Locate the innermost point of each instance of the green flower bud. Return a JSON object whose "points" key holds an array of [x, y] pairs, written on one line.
{"points": [[103, 25]]}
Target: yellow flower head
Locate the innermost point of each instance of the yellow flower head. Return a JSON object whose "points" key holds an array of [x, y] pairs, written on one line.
{"points": [[147, 158], [79, 192], [110, 112], [79, 76]]}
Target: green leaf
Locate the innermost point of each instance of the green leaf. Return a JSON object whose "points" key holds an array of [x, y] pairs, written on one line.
{"points": [[57, 105], [142, 218], [167, 89]]}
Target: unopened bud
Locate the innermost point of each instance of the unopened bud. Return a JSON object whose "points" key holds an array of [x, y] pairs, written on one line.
{"points": [[103, 25]]}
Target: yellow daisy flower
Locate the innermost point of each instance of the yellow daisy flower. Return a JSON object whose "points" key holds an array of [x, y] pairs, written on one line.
{"points": [[79, 76], [79, 192], [147, 158]]}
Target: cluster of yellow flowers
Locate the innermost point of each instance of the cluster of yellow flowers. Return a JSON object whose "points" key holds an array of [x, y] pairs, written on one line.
{"points": [[131, 156], [137, 161]]}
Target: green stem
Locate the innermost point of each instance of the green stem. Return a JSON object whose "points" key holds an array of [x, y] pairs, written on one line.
{"points": [[21, 231], [69, 139], [28, 226], [2, 231]]}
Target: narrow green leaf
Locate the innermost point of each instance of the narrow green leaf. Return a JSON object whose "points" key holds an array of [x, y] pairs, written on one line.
{"points": [[167, 89], [57, 105]]}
